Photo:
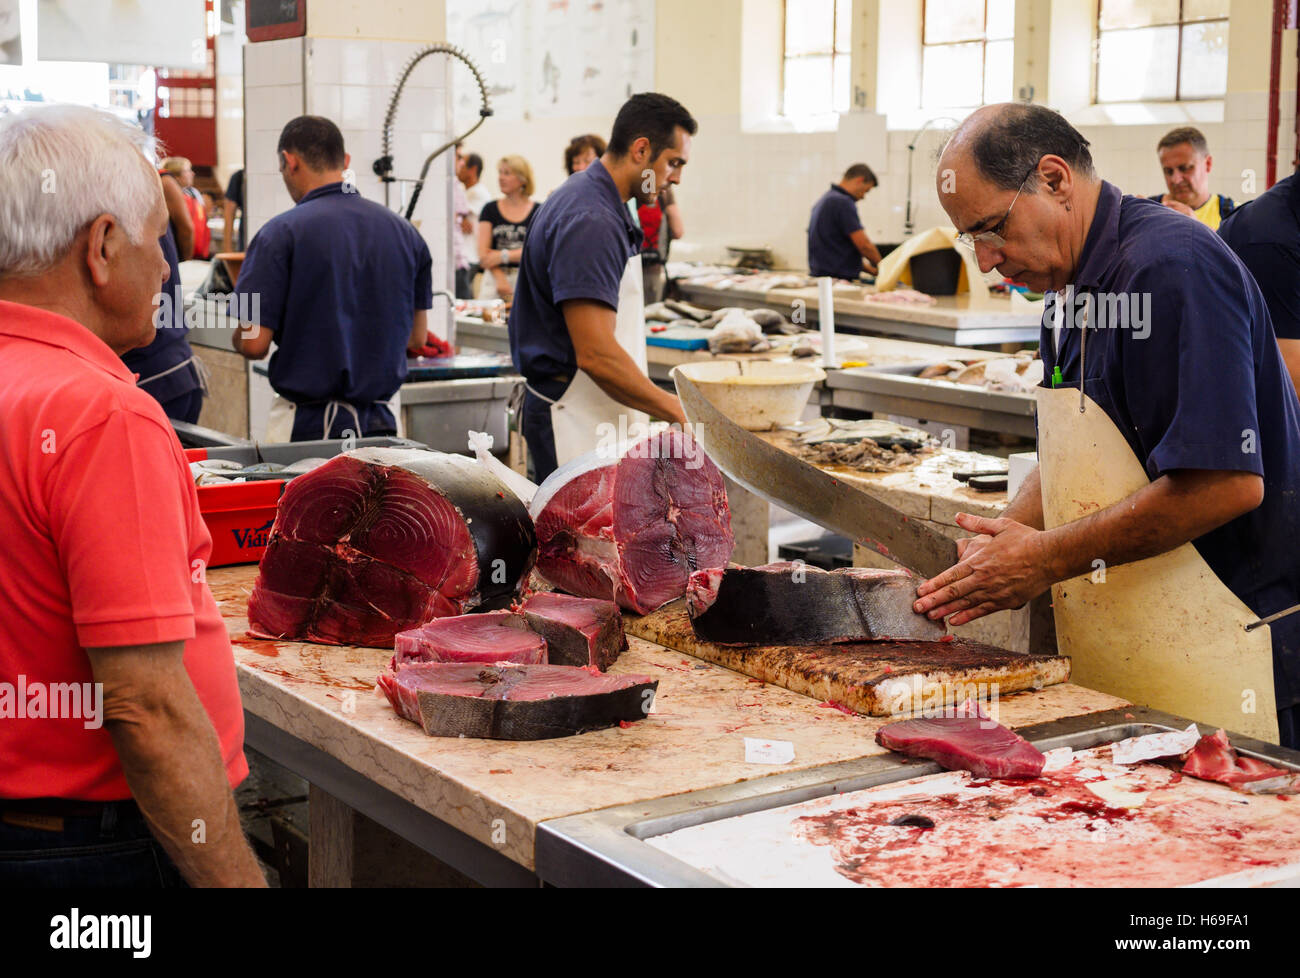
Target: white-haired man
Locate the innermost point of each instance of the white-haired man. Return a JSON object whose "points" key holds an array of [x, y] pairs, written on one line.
{"points": [[122, 730]]}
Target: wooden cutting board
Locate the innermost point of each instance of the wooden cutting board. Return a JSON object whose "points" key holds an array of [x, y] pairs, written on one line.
{"points": [[875, 678]]}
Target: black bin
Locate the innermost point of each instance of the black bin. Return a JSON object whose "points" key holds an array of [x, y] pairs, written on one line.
{"points": [[936, 272]]}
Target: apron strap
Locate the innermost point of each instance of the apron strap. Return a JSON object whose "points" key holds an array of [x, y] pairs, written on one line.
{"points": [[200, 370], [332, 412], [541, 397]]}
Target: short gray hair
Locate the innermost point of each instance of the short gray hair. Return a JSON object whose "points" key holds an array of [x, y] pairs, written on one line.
{"points": [[1185, 134], [61, 166], [1010, 145]]}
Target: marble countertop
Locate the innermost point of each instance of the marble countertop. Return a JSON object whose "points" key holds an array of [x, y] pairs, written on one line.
{"points": [[497, 792]]}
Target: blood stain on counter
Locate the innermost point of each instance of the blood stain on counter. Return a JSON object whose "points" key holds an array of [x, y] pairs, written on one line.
{"points": [[1037, 833]]}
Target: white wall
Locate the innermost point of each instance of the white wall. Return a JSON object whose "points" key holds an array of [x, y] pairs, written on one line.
{"points": [[749, 187]]}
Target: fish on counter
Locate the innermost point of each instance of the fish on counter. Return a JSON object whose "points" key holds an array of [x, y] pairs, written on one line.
{"points": [[1215, 759], [871, 445], [1019, 373], [380, 540], [515, 702], [488, 637], [578, 631], [971, 743], [791, 603], [630, 526]]}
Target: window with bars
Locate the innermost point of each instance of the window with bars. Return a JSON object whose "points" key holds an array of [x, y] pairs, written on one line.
{"points": [[815, 75], [966, 52], [1161, 50]]}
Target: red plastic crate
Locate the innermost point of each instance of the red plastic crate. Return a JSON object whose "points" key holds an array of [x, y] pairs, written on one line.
{"points": [[239, 517]]}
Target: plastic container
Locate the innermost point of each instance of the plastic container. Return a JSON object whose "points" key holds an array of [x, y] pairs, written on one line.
{"points": [[239, 515], [936, 272], [756, 394]]}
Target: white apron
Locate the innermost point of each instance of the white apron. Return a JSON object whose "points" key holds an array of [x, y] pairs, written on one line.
{"points": [[1163, 632], [577, 417], [279, 419]]}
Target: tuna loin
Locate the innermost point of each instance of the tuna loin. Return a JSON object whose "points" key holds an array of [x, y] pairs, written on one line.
{"points": [[631, 527], [377, 541], [494, 636], [1214, 759], [965, 743], [509, 702], [578, 631], [794, 604]]}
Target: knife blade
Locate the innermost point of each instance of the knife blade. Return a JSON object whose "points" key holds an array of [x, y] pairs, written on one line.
{"points": [[807, 491]]}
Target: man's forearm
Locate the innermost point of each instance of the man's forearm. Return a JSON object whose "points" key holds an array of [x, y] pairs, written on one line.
{"points": [[1153, 520], [619, 377], [172, 762]]}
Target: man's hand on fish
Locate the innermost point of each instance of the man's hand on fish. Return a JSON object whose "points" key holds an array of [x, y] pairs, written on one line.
{"points": [[1001, 568]]}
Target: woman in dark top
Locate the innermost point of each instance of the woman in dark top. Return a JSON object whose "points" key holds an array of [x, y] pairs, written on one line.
{"points": [[503, 225]]}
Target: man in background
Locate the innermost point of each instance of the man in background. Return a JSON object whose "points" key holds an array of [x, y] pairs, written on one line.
{"points": [[469, 171], [837, 244], [342, 285], [233, 206], [1265, 234], [1186, 162]]}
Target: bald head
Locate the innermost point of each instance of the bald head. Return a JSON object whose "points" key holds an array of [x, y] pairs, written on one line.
{"points": [[1006, 141], [1020, 179]]}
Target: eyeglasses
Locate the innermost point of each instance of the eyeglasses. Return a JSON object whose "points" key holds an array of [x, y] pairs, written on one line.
{"points": [[993, 236]]}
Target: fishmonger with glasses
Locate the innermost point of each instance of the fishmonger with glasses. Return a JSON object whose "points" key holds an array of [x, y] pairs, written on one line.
{"points": [[1165, 504]]}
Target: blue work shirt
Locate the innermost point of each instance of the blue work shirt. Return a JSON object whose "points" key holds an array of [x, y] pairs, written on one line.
{"points": [[831, 250], [1194, 380], [1265, 234], [338, 280], [158, 364], [578, 247]]}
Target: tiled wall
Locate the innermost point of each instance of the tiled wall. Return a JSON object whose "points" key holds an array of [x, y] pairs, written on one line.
{"points": [[745, 188], [350, 81]]}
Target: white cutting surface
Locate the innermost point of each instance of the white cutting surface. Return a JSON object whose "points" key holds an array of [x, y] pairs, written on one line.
{"points": [[763, 849]]}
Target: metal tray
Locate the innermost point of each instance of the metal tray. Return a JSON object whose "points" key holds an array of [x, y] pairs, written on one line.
{"points": [[608, 847]]}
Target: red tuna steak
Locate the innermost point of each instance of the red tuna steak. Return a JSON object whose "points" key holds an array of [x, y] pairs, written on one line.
{"points": [[631, 526], [512, 702]]}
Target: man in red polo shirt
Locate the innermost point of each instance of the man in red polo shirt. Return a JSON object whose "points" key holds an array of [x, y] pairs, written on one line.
{"points": [[121, 729]]}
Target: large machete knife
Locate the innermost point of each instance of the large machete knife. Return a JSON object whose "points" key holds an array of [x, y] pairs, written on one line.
{"points": [[807, 491]]}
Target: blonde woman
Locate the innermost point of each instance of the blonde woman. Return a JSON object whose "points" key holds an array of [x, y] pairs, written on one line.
{"points": [[503, 225]]}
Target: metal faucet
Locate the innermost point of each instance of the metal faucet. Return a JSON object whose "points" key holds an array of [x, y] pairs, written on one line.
{"points": [[451, 316], [908, 225]]}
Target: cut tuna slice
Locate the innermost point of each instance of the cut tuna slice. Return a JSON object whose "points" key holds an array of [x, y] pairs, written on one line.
{"points": [[578, 631], [1214, 759], [965, 743], [794, 604], [494, 636], [377, 541], [631, 526], [514, 702]]}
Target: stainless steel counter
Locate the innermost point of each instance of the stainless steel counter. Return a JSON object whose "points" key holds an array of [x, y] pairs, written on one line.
{"points": [[609, 847], [951, 321], [862, 389], [438, 413]]}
